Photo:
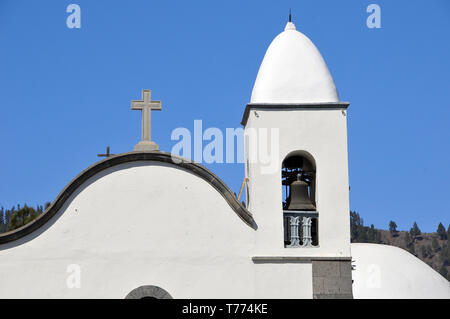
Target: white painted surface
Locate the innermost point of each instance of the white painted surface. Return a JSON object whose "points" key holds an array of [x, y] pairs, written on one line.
{"points": [[323, 135], [389, 272], [142, 223], [293, 71], [269, 276]]}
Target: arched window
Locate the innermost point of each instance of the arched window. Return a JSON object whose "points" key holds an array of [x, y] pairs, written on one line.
{"points": [[293, 166], [300, 216], [148, 292]]}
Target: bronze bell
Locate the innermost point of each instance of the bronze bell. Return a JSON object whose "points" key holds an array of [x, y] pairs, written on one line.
{"points": [[299, 196]]}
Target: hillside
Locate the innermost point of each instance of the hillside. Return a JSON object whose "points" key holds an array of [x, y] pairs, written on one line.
{"points": [[432, 248], [422, 247]]}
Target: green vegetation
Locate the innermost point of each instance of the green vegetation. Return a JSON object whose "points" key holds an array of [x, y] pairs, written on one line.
{"points": [[441, 232], [393, 228], [16, 217], [432, 248], [362, 234], [415, 231]]}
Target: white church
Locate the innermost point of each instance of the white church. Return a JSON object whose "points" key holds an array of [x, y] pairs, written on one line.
{"points": [[149, 224]]}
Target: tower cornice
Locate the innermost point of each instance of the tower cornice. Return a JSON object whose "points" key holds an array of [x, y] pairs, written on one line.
{"points": [[277, 106]]}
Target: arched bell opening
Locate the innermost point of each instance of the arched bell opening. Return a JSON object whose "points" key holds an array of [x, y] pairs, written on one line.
{"points": [[300, 216], [298, 178]]}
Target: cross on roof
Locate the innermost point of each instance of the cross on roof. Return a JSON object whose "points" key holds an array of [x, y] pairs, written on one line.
{"points": [[108, 154], [146, 105]]}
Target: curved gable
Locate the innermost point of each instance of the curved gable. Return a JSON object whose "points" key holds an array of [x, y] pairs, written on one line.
{"points": [[115, 160]]}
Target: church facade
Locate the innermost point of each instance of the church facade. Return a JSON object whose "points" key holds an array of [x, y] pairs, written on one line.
{"points": [[149, 224]]}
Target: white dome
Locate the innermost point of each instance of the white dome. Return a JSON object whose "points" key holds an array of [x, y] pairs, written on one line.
{"points": [[388, 272], [293, 71]]}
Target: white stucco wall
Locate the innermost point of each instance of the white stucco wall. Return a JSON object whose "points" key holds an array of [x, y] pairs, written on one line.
{"points": [[390, 272], [323, 134], [145, 223], [269, 276]]}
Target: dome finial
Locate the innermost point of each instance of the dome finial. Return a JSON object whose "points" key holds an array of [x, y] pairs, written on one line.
{"points": [[290, 25]]}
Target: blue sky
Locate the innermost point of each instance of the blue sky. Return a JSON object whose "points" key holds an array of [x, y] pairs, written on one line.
{"points": [[65, 93]]}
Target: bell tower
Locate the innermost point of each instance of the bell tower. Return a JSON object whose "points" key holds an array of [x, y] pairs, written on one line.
{"points": [[296, 162]]}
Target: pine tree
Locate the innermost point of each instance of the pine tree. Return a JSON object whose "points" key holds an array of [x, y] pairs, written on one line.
{"points": [[441, 232], [21, 217], [393, 228], [445, 254], [412, 250], [443, 271], [408, 239], [435, 244], [2, 220], [17, 216], [423, 251], [415, 231], [358, 232], [354, 218], [429, 251]]}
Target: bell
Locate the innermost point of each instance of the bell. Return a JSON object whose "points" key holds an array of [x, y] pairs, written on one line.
{"points": [[299, 196]]}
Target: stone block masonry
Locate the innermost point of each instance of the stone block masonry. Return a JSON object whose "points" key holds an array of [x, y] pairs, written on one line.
{"points": [[332, 279]]}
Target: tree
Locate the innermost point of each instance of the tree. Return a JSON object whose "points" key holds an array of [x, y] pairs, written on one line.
{"points": [[393, 228], [443, 271], [21, 217], [6, 218], [408, 240], [435, 244], [441, 231], [373, 235], [355, 222], [358, 232], [415, 231], [445, 255], [15, 217], [424, 252], [2, 220], [429, 251], [448, 233]]}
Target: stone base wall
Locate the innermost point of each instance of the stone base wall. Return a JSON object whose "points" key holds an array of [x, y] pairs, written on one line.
{"points": [[332, 279]]}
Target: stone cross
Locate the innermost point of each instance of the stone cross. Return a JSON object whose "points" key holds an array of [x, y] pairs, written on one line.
{"points": [[146, 105]]}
